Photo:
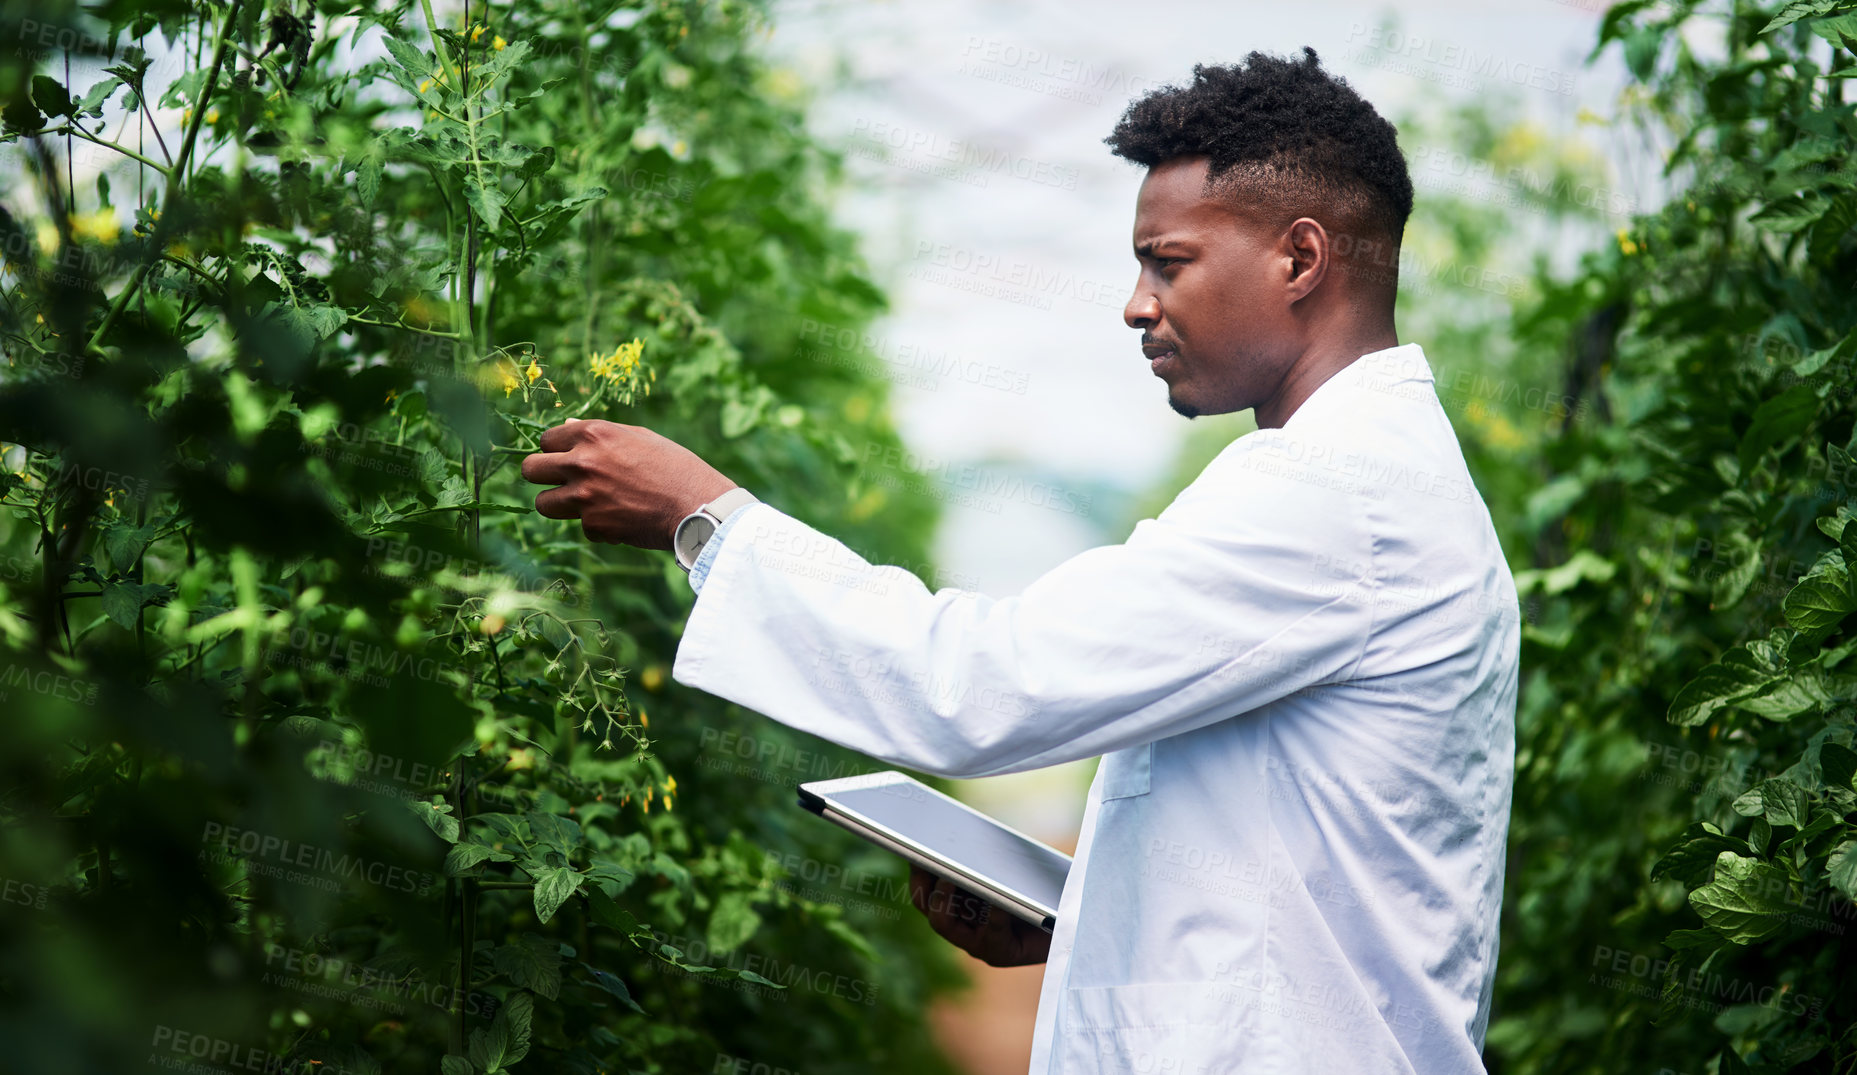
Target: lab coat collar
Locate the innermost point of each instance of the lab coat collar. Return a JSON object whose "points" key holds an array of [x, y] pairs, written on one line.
{"points": [[1379, 371]]}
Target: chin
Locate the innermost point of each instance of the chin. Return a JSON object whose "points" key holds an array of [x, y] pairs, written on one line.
{"points": [[1182, 407]]}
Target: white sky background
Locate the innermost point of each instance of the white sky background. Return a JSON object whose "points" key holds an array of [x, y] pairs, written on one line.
{"points": [[931, 92]]}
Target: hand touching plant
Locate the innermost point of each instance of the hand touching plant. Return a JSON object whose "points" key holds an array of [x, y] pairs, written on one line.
{"points": [[626, 484]]}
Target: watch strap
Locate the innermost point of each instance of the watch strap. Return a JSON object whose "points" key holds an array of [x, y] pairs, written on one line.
{"points": [[724, 506], [717, 511]]}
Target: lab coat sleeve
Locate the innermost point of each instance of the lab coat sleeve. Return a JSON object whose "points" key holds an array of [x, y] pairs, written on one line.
{"points": [[1254, 583]]}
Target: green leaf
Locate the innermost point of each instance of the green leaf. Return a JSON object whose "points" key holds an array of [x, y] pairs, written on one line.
{"points": [[1821, 600], [124, 543], [466, 855], [1737, 675], [1842, 869], [123, 601], [515, 1016], [1691, 860], [1731, 1063], [1747, 900], [733, 921], [1781, 802], [48, 93], [612, 984], [438, 817], [1841, 31], [367, 178], [1838, 763], [456, 1065], [553, 886], [489, 1045], [555, 832], [1778, 419], [91, 104], [484, 198], [1832, 526], [531, 962], [20, 117], [611, 879], [1798, 9], [418, 65]]}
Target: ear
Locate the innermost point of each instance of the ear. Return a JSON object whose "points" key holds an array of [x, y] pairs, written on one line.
{"points": [[1306, 247]]}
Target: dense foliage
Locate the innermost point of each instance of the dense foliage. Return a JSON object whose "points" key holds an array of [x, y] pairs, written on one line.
{"points": [[323, 751], [1683, 858]]}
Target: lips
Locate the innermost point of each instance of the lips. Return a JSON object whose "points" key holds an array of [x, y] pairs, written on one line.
{"points": [[1160, 356]]}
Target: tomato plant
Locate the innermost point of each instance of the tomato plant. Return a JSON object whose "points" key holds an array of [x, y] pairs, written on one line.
{"points": [[325, 752]]}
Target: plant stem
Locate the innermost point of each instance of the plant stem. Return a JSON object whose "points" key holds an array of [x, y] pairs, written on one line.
{"points": [[73, 128], [175, 174]]}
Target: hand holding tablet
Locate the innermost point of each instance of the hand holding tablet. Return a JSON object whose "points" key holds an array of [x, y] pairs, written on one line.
{"points": [[967, 866], [975, 926]]}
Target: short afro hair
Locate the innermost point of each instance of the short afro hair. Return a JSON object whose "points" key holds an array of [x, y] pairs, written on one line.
{"points": [[1281, 132]]}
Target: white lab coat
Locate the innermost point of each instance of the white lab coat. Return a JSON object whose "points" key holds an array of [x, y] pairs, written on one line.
{"points": [[1302, 677]]}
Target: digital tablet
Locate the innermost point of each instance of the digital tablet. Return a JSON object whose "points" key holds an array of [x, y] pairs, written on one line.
{"points": [[948, 838]]}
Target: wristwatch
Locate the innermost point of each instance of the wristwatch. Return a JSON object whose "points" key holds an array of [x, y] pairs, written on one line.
{"points": [[700, 525]]}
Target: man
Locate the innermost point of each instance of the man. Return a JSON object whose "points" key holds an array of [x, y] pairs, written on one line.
{"points": [[1301, 675]]}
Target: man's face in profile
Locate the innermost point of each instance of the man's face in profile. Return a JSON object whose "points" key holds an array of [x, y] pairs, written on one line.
{"points": [[1209, 300]]}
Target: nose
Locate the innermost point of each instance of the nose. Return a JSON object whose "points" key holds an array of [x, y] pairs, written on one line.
{"points": [[1142, 310]]}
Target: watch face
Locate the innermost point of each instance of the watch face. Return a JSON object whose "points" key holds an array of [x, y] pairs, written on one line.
{"points": [[691, 534]]}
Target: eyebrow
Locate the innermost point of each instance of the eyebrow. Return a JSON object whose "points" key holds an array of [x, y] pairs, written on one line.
{"points": [[1150, 248]]}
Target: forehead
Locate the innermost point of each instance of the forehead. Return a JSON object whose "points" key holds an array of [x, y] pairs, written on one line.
{"points": [[1173, 203]]}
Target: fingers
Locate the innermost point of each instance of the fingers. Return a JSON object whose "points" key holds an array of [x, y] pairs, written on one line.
{"points": [[920, 881], [557, 504], [546, 468], [565, 435]]}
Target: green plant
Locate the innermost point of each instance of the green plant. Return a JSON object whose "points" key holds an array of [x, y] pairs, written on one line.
{"points": [[325, 751], [1680, 884]]}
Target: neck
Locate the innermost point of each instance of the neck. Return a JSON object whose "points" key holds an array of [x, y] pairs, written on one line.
{"points": [[1321, 359]]}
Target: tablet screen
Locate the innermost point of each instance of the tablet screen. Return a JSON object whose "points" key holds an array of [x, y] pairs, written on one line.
{"points": [[952, 831]]}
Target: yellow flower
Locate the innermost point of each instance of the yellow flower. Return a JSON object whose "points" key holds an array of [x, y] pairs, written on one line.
{"points": [[1625, 245], [426, 85], [498, 44], [506, 375], [670, 784], [643, 720], [476, 32], [212, 115], [533, 371], [100, 225], [621, 364]]}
